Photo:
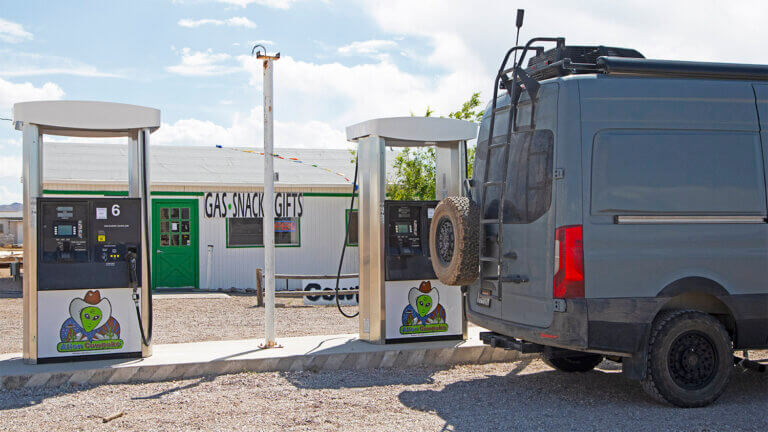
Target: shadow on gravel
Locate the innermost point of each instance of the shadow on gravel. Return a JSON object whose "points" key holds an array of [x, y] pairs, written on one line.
{"points": [[597, 400], [179, 388], [27, 397], [354, 379]]}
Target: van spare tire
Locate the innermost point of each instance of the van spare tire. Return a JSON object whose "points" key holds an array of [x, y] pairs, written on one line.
{"points": [[454, 241]]}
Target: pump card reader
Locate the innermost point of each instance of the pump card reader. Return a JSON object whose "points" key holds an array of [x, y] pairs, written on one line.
{"points": [[407, 239]]}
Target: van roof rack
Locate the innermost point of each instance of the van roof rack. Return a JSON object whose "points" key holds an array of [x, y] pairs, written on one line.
{"points": [[567, 60]]}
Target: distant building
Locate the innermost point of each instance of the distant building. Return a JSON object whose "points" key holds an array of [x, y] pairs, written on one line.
{"points": [[207, 204], [11, 227]]}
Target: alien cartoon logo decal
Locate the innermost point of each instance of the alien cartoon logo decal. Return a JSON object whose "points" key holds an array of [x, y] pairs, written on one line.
{"points": [[90, 326], [424, 313]]}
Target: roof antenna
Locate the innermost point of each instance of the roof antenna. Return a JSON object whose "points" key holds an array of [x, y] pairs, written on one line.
{"points": [[518, 24]]}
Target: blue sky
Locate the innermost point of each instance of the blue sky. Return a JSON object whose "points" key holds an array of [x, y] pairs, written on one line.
{"points": [[343, 61]]}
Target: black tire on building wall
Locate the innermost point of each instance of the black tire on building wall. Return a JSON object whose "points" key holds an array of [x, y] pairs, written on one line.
{"points": [[690, 359], [454, 241]]}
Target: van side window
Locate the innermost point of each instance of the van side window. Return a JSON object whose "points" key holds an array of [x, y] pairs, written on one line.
{"points": [[677, 172], [528, 193]]}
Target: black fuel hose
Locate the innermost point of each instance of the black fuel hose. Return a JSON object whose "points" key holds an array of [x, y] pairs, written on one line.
{"points": [[146, 338], [344, 247]]}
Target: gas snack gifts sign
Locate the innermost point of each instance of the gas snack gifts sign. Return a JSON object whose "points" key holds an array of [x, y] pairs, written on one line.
{"points": [[251, 204]]}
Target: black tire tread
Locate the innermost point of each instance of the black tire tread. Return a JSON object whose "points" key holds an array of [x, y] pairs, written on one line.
{"points": [[567, 364], [649, 382], [464, 268]]}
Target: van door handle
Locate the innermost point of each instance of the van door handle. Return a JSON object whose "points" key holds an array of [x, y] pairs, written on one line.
{"points": [[517, 279]]}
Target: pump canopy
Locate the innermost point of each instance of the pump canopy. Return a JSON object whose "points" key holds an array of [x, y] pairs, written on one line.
{"points": [[85, 118]]}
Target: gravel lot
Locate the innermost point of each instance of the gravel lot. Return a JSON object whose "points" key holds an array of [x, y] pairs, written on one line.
{"points": [[193, 320], [525, 395]]}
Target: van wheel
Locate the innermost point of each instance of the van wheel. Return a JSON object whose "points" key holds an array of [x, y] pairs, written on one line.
{"points": [[690, 359], [454, 241], [577, 363]]}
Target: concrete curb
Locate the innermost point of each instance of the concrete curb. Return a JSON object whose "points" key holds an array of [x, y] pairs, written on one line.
{"points": [[400, 356]]}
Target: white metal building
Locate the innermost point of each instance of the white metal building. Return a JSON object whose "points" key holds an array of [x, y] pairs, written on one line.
{"points": [[210, 199], [11, 227]]}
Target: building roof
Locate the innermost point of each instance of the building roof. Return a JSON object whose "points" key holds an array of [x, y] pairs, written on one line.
{"points": [[94, 163], [11, 214]]}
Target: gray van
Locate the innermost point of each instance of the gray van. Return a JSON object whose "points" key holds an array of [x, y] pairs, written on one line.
{"points": [[619, 214]]}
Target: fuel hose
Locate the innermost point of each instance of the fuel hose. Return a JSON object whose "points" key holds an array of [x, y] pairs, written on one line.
{"points": [[344, 247]]}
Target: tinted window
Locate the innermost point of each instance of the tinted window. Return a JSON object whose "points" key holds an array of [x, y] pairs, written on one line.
{"points": [[250, 232], [677, 172], [528, 191], [352, 233]]}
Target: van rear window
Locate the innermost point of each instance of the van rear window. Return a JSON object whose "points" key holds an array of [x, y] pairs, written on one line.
{"points": [[528, 193], [677, 172]]}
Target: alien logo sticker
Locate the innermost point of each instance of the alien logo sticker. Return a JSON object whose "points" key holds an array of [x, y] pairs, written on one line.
{"points": [[424, 313], [90, 326]]}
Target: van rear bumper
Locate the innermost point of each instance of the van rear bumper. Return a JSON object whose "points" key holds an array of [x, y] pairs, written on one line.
{"points": [[568, 329], [574, 331]]}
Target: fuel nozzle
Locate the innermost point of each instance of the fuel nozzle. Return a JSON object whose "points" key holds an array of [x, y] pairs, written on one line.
{"points": [[133, 265]]}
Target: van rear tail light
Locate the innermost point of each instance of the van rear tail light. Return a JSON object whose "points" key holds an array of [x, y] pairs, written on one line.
{"points": [[569, 263]]}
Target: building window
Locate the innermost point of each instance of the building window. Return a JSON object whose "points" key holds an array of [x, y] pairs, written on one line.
{"points": [[352, 235], [249, 232], [2, 228]]}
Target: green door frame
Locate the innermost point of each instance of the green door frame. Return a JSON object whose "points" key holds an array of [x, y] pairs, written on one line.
{"points": [[194, 221]]}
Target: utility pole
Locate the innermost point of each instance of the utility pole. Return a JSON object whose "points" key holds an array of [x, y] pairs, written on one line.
{"points": [[269, 198]]}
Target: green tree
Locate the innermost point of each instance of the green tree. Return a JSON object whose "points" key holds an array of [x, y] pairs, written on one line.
{"points": [[414, 168]]}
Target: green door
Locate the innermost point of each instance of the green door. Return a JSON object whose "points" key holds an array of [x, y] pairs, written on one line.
{"points": [[174, 237]]}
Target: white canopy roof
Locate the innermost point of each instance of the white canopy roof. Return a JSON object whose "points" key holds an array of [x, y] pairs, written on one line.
{"points": [[85, 118], [414, 130]]}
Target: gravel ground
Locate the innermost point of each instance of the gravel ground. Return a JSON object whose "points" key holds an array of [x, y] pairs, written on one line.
{"points": [[193, 320], [525, 395]]}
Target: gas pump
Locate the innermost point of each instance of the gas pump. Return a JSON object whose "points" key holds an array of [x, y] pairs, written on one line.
{"points": [[401, 299], [87, 289]]}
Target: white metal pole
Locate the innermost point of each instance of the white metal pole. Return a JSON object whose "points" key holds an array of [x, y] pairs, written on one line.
{"points": [[269, 209]]}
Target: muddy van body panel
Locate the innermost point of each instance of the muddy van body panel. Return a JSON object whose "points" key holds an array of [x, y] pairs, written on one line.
{"points": [[645, 147]]}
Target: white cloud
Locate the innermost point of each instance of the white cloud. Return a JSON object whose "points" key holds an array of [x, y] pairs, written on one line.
{"points": [[11, 93], [203, 63], [10, 166], [341, 95], [277, 4], [466, 34], [230, 22], [14, 64], [12, 32], [7, 197], [247, 130], [367, 48]]}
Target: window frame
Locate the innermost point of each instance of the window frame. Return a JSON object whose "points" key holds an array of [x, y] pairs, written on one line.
{"points": [[346, 221], [226, 238]]}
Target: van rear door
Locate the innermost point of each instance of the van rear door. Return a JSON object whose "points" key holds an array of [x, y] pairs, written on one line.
{"points": [[527, 241]]}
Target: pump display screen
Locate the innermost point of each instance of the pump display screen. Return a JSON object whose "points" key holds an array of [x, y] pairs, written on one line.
{"points": [[64, 230], [402, 228]]}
